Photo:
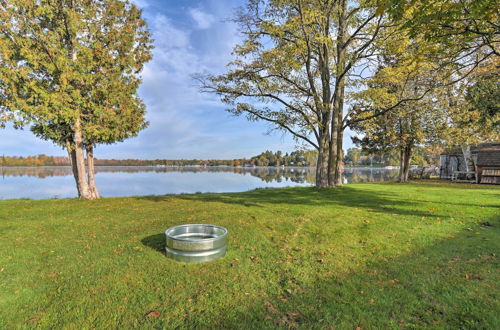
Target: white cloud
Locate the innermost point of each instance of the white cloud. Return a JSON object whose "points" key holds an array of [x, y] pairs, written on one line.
{"points": [[203, 20]]}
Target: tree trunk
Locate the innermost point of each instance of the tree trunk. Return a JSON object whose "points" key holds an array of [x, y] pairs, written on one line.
{"points": [[407, 162], [77, 157], [405, 158], [339, 168], [72, 158], [467, 158], [336, 162], [323, 161], [332, 161], [81, 179], [402, 163], [91, 173]]}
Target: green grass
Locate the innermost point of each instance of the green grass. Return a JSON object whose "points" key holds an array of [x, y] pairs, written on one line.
{"points": [[375, 256]]}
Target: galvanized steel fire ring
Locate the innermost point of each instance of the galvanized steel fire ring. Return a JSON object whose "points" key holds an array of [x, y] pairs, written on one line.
{"points": [[196, 243]]}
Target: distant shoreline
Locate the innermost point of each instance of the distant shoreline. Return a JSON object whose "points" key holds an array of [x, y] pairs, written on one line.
{"points": [[201, 166]]}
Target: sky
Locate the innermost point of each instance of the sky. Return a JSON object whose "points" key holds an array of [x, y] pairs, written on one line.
{"points": [[190, 37]]}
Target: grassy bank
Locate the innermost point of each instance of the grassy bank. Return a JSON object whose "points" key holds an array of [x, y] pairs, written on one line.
{"points": [[366, 255]]}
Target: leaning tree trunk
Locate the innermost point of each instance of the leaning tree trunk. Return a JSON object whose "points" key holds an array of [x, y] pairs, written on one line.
{"points": [[72, 158], [78, 160], [91, 173], [467, 158], [81, 178]]}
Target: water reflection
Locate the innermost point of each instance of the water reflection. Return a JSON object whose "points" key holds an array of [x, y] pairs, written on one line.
{"points": [[50, 182]]}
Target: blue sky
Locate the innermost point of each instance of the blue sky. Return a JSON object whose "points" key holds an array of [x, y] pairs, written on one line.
{"points": [[190, 37]]}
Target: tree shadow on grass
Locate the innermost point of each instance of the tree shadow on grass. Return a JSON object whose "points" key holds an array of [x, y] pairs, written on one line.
{"points": [[371, 200], [155, 242], [449, 283]]}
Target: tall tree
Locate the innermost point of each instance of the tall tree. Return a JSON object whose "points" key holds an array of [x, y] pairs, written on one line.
{"points": [[71, 68], [293, 67]]}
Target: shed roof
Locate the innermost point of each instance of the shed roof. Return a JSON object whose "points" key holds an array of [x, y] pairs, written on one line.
{"points": [[457, 151], [489, 155]]}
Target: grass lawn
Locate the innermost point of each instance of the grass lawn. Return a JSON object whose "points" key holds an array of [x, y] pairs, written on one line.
{"points": [[374, 256]]}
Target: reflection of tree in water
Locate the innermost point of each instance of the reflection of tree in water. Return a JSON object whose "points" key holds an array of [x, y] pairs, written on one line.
{"points": [[266, 174], [39, 172]]}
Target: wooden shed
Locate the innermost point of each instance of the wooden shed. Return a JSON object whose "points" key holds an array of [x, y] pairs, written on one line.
{"points": [[488, 163], [452, 161]]}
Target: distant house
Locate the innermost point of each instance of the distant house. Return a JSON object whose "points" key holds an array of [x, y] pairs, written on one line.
{"points": [[485, 161], [488, 163]]}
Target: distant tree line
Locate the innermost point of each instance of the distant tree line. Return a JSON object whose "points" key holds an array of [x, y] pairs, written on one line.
{"points": [[300, 158], [424, 157], [39, 160], [268, 158]]}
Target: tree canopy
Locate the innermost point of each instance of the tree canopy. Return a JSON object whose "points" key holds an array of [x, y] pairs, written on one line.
{"points": [[70, 68]]}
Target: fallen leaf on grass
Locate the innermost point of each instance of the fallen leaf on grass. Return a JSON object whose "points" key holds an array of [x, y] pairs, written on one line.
{"points": [[153, 314], [33, 319], [473, 277], [290, 320], [321, 261], [270, 308]]}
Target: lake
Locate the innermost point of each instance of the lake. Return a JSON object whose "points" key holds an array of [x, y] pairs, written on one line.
{"points": [[115, 181]]}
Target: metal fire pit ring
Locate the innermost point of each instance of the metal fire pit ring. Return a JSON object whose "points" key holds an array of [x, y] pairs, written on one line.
{"points": [[195, 243]]}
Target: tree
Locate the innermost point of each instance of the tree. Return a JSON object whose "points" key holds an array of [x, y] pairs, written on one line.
{"points": [[483, 94], [465, 25], [471, 110], [71, 69], [463, 33], [294, 65], [402, 76]]}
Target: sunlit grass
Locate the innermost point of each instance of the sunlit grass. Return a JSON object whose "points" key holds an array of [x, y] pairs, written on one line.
{"points": [[367, 255]]}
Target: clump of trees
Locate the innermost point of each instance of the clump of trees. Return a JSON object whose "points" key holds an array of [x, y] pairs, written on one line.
{"points": [[421, 156], [69, 69], [302, 62], [295, 158]]}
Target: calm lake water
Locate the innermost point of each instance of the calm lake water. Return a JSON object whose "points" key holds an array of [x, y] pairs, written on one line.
{"points": [[114, 181]]}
